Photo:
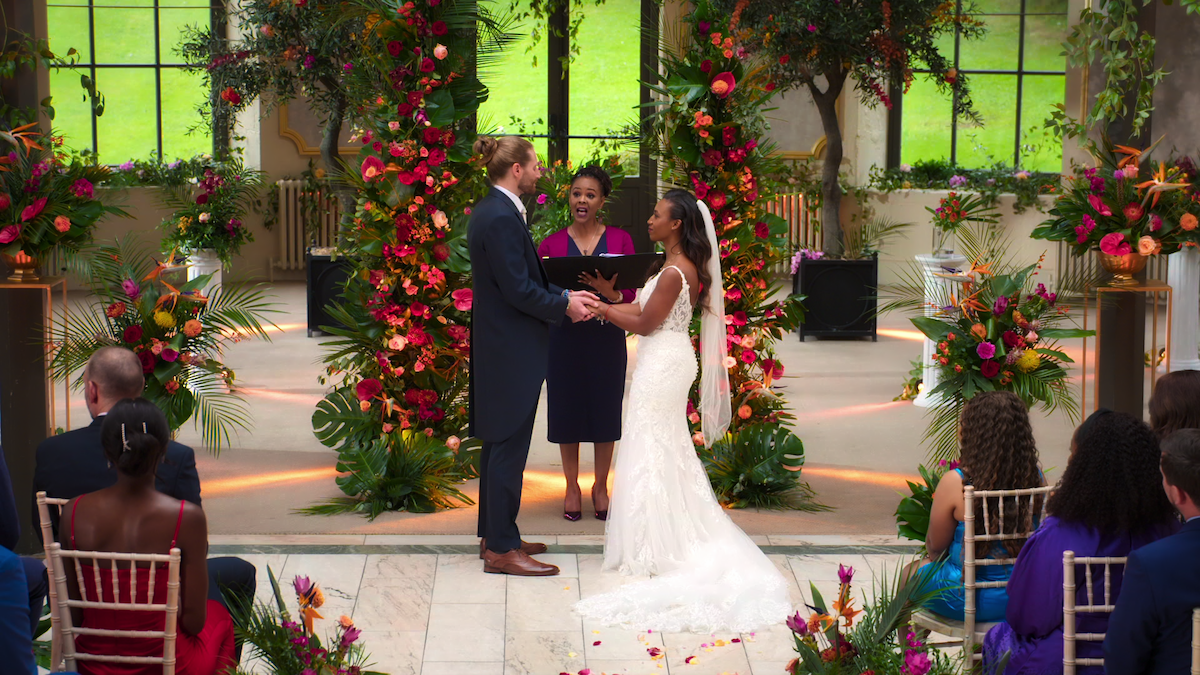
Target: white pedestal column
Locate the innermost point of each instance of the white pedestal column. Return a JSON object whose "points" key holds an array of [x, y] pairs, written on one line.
{"points": [[1183, 276], [937, 289], [203, 262]]}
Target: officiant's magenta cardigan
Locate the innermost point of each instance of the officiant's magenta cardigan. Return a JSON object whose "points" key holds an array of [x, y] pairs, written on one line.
{"points": [[618, 241]]}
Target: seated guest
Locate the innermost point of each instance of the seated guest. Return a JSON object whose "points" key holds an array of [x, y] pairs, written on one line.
{"points": [[133, 517], [1150, 629], [36, 579], [1109, 503], [73, 464], [1175, 403], [16, 640], [997, 453]]}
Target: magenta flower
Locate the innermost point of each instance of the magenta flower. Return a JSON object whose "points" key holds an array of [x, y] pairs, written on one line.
{"points": [[797, 625], [1099, 205], [1000, 305], [812, 28], [916, 663], [985, 350], [131, 288], [169, 355], [541, 200], [1114, 243], [350, 636], [302, 585], [845, 574]]}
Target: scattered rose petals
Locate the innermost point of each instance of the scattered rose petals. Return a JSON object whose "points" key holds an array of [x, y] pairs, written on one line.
{"points": [[690, 659]]}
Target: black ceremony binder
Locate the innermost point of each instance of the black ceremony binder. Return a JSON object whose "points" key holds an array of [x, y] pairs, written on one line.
{"points": [[632, 270]]}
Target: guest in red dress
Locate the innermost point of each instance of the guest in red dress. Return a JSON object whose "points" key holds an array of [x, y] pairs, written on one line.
{"points": [[585, 380], [134, 517]]}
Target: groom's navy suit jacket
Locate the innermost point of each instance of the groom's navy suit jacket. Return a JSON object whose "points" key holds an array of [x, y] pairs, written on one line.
{"points": [[1150, 632], [513, 307]]}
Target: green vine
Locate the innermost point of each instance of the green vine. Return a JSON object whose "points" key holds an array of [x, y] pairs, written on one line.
{"points": [[1108, 33], [541, 11]]}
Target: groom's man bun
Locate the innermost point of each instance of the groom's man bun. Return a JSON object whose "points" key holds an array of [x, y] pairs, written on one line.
{"points": [[499, 154]]}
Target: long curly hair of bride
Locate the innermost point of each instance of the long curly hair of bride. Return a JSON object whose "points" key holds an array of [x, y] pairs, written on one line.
{"points": [[693, 240]]}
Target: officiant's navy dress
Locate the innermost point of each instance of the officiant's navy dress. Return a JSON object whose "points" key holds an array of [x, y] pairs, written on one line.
{"points": [[585, 380]]}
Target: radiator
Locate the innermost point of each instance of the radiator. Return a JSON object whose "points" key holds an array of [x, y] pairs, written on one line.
{"points": [[298, 230]]}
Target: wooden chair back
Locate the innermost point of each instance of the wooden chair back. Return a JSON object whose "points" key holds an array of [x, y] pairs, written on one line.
{"points": [[1196, 641], [77, 559], [979, 538], [1070, 608], [44, 505]]}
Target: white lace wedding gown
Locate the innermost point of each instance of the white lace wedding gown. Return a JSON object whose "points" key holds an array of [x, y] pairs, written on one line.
{"points": [[664, 520]]}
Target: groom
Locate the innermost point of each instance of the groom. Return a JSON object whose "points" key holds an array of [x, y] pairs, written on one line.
{"points": [[514, 305]]}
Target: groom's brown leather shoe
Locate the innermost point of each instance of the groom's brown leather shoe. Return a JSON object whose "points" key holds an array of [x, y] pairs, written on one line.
{"points": [[517, 563], [529, 547]]}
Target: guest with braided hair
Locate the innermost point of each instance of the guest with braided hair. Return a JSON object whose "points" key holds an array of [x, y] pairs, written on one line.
{"points": [[1110, 502], [997, 453]]}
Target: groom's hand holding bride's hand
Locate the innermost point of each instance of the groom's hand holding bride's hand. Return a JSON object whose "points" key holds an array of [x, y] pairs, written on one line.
{"points": [[579, 305]]}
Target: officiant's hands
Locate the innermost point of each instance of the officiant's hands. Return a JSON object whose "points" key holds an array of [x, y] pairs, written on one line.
{"points": [[579, 305]]}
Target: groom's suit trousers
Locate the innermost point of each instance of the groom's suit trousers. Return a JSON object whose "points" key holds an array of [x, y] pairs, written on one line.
{"points": [[501, 470]]}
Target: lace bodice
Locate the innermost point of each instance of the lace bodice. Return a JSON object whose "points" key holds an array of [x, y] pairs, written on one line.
{"points": [[679, 319]]}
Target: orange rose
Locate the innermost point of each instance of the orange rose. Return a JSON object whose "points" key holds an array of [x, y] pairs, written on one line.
{"points": [[744, 412], [1188, 222]]}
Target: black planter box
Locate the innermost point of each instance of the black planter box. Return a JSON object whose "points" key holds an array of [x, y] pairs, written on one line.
{"points": [[326, 279], [841, 297]]}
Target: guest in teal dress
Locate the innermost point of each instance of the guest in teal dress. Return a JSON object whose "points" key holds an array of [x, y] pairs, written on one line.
{"points": [[997, 453]]}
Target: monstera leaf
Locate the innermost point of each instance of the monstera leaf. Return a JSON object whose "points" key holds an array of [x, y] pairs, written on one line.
{"points": [[758, 466], [338, 418]]}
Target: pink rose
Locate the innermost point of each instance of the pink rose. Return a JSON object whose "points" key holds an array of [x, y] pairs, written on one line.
{"points": [[986, 350], [62, 223], [1148, 246], [440, 52]]}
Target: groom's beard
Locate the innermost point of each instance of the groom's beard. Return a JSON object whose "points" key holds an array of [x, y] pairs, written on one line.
{"points": [[528, 184]]}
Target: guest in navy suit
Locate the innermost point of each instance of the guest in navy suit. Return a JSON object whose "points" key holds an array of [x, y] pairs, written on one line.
{"points": [[16, 640], [36, 580], [73, 464], [1151, 628]]}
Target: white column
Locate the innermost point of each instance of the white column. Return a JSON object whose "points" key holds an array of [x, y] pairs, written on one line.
{"points": [[1183, 276], [937, 289], [203, 262]]}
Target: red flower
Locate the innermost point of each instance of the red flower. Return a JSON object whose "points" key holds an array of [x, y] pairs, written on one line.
{"points": [[132, 335], [1133, 212], [9, 233], [716, 199], [427, 65], [448, 138], [740, 318], [784, 59], [439, 28], [115, 310], [729, 135], [723, 84], [394, 48], [441, 252], [202, 199], [30, 212], [712, 157], [463, 299], [368, 389], [770, 86], [706, 66], [761, 230], [989, 369], [414, 97], [5, 201], [433, 135], [404, 109], [437, 156], [171, 386], [1011, 339], [147, 359], [231, 96], [372, 168]]}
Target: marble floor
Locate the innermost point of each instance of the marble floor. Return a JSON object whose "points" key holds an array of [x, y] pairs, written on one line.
{"points": [[426, 607]]}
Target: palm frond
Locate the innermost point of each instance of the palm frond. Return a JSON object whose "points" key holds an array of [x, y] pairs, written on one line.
{"points": [[220, 411]]}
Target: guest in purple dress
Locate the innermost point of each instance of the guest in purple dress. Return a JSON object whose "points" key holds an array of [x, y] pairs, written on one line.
{"points": [[1110, 502], [1175, 403], [585, 382]]}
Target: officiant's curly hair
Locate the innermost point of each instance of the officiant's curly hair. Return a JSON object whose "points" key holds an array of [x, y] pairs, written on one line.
{"points": [[499, 154], [693, 241]]}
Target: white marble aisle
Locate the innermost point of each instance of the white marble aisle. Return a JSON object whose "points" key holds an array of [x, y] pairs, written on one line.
{"points": [[439, 614]]}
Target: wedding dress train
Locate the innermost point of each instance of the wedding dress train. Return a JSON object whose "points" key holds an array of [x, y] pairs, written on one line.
{"points": [[665, 522]]}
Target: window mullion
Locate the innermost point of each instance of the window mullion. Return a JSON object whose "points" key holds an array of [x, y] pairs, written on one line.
{"points": [[158, 81], [92, 70], [954, 95], [1020, 85]]}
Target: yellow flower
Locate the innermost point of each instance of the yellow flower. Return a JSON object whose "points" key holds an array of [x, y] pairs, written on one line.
{"points": [[164, 319], [1029, 361], [184, 222]]}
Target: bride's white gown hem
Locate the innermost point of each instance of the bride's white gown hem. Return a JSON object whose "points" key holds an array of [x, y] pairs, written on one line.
{"points": [[664, 521]]}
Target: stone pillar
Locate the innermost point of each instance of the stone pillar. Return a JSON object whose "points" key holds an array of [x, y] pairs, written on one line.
{"points": [[203, 262], [937, 290], [1183, 276]]}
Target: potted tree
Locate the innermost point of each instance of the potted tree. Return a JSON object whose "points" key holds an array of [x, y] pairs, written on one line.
{"points": [[818, 45]]}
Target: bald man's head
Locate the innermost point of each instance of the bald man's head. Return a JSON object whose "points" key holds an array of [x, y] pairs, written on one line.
{"points": [[116, 373]]}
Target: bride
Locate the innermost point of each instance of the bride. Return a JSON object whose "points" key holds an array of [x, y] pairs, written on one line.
{"points": [[664, 521]]}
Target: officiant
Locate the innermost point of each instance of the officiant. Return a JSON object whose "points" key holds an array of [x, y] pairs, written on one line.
{"points": [[585, 381]]}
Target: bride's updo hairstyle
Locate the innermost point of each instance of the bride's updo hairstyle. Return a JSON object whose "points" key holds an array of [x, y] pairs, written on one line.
{"points": [[693, 241], [499, 154], [134, 436]]}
